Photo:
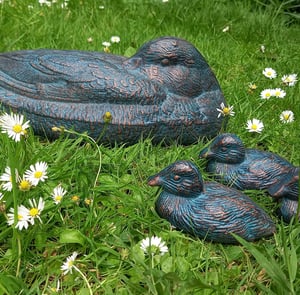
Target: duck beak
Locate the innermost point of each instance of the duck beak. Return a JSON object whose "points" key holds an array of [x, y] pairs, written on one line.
{"points": [[205, 153], [154, 180]]}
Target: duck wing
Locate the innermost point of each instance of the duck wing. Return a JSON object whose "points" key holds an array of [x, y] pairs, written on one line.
{"points": [[75, 76]]}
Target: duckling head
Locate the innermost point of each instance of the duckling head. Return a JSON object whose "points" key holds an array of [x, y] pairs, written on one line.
{"points": [[181, 178], [176, 64], [225, 148]]}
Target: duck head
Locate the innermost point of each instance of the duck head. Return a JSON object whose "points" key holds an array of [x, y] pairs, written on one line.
{"points": [[176, 64], [225, 148], [181, 178]]}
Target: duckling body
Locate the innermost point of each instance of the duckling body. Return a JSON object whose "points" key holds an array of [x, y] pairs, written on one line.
{"points": [[165, 90], [287, 189], [207, 209], [244, 168]]}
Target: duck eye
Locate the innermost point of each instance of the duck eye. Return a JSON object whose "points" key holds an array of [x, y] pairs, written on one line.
{"points": [[165, 62], [176, 177]]}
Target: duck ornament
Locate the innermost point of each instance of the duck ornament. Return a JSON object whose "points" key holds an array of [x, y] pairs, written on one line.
{"points": [[166, 91], [208, 210], [244, 168]]}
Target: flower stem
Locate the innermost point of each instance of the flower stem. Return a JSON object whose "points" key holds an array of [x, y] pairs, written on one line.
{"points": [[84, 278], [16, 246]]}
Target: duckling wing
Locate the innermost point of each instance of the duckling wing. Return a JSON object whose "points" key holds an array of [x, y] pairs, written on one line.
{"points": [[260, 170], [225, 211], [75, 76]]}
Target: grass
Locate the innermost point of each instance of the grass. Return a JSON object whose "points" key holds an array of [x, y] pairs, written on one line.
{"points": [[115, 211]]}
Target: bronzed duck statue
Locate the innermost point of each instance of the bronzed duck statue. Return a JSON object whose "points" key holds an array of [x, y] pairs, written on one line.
{"points": [[208, 210], [243, 168], [165, 91]]}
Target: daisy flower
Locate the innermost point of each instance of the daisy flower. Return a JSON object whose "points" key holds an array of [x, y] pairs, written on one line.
{"points": [[75, 199], [106, 44], [226, 29], [278, 92], [36, 173], [36, 209], [252, 86], [225, 111], [14, 126], [269, 73], [289, 80], [153, 245], [115, 39], [58, 194], [69, 264], [23, 217], [266, 94], [286, 117], [24, 185], [88, 201], [255, 125], [6, 178]]}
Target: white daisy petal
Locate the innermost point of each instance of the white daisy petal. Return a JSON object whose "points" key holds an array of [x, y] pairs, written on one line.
{"points": [[289, 80], [269, 73], [286, 116], [153, 245], [255, 125], [58, 194], [36, 173], [69, 264], [14, 126], [23, 217]]}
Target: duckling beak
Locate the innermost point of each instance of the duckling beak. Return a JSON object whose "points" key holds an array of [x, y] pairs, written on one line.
{"points": [[154, 180], [205, 153]]}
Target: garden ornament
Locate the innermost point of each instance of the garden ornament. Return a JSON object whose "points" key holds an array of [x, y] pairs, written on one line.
{"points": [[245, 168], [208, 210], [166, 91]]}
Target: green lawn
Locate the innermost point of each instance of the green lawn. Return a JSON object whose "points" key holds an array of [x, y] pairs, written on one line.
{"points": [[108, 208]]}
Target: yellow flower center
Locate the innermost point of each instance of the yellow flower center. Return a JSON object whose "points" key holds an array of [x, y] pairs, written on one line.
{"points": [[286, 116], [268, 94], [34, 212], [17, 128], [252, 86], [88, 201], [226, 111], [269, 73], [254, 126], [58, 198], [20, 217], [24, 185], [70, 263], [107, 117], [75, 198], [38, 174]]}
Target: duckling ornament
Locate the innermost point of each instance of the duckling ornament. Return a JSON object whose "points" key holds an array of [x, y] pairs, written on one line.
{"points": [[207, 210], [244, 168], [166, 91]]}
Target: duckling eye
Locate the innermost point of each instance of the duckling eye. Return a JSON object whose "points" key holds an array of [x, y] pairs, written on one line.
{"points": [[177, 177], [165, 62]]}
